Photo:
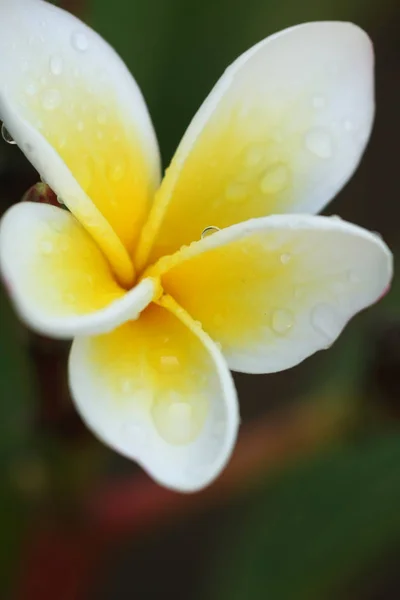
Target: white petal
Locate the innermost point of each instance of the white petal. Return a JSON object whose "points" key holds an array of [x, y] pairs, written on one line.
{"points": [[281, 132], [159, 393], [72, 106], [275, 290], [58, 278]]}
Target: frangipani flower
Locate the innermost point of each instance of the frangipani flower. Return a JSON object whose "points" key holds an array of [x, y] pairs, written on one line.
{"points": [[158, 312]]}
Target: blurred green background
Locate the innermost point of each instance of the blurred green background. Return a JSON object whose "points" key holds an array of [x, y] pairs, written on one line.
{"points": [[309, 507]]}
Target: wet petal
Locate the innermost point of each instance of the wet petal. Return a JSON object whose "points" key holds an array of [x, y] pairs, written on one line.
{"points": [[78, 115], [275, 290], [281, 132], [158, 391], [58, 278]]}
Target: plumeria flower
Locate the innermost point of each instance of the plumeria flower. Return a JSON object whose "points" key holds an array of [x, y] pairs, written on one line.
{"points": [[166, 285]]}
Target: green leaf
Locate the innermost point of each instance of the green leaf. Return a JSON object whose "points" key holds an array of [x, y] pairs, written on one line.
{"points": [[317, 525], [16, 384], [177, 52], [16, 418]]}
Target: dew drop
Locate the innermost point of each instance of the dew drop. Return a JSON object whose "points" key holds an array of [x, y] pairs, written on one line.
{"points": [[254, 156], [56, 65], [136, 434], [177, 418], [126, 385], [51, 99], [117, 171], [348, 125], [285, 258], [164, 360], [236, 192], [209, 231], [46, 247], [318, 101], [7, 137], [80, 41], [275, 179], [353, 277], [80, 126], [325, 321], [31, 89], [319, 142], [174, 422], [282, 321]]}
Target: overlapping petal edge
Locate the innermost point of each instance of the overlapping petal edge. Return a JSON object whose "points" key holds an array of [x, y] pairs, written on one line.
{"points": [[281, 132]]}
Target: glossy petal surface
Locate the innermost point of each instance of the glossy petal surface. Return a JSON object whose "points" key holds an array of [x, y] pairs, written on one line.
{"points": [[281, 132], [58, 278], [78, 115], [275, 290], [158, 391]]}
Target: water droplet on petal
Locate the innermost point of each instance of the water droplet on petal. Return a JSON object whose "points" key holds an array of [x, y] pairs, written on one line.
{"points": [[126, 385], [51, 99], [254, 156], [117, 171], [319, 142], [56, 64], [348, 125], [285, 258], [46, 247], [80, 41], [136, 433], [275, 179], [318, 101], [282, 321], [178, 418], [353, 277], [325, 321], [31, 89], [209, 231], [237, 192], [7, 137], [164, 360], [80, 126]]}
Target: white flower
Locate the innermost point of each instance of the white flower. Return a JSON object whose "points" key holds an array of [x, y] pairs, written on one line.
{"points": [[158, 314]]}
